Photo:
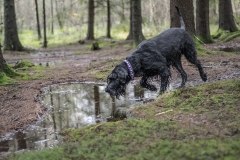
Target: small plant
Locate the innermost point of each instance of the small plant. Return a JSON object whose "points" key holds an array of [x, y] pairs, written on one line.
{"points": [[23, 64]]}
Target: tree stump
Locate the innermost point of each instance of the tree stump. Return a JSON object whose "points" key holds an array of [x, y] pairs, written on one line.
{"points": [[95, 46], [81, 41]]}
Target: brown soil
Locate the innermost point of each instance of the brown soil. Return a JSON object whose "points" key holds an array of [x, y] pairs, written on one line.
{"points": [[19, 102]]}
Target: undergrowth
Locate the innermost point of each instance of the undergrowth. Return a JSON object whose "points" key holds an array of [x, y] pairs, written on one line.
{"points": [[225, 36]]}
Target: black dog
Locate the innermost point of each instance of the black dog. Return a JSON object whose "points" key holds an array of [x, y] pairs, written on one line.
{"points": [[154, 57]]}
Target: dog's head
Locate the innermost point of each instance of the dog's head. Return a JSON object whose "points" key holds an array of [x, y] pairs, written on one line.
{"points": [[117, 81]]}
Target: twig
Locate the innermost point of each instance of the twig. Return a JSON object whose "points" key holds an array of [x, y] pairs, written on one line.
{"points": [[164, 112], [199, 40]]}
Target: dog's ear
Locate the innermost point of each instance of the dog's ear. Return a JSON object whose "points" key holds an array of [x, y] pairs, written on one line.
{"points": [[112, 76], [123, 76]]}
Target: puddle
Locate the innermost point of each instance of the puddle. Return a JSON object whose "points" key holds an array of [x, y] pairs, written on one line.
{"points": [[49, 58], [72, 106], [227, 49], [51, 53]]}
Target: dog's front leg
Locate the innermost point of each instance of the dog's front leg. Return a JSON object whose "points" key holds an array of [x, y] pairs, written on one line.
{"points": [[165, 77], [144, 83]]}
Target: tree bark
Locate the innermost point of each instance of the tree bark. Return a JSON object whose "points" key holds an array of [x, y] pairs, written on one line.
{"points": [[52, 26], [187, 10], [202, 21], [2, 61], [90, 33], [38, 22], [108, 19], [226, 19], [44, 27], [130, 35], [11, 40], [59, 15], [137, 23]]}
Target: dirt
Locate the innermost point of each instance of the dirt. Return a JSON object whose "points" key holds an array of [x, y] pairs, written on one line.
{"points": [[20, 105]]}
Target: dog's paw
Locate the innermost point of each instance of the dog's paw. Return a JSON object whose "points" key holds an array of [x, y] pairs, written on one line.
{"points": [[152, 88], [204, 77]]}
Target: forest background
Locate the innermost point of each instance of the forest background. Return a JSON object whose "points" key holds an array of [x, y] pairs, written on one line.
{"points": [[67, 20]]}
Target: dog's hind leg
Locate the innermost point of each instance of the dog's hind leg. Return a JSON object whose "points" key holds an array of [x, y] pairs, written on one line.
{"points": [[191, 57], [179, 67], [144, 83]]}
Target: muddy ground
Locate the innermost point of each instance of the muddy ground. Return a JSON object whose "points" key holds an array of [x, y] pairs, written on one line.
{"points": [[20, 104]]}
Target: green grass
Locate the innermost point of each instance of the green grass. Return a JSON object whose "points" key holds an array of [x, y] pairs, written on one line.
{"points": [[203, 124]]}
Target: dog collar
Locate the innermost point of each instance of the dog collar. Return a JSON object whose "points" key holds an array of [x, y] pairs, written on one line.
{"points": [[130, 69]]}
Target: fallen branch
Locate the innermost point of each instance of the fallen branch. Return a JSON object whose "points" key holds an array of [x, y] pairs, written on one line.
{"points": [[164, 112]]}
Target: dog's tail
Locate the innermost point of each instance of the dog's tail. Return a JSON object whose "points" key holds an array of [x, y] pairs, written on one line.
{"points": [[181, 19]]}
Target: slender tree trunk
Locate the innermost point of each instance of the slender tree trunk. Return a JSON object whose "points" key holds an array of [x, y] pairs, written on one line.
{"points": [[59, 16], [38, 22], [187, 10], [130, 35], [226, 19], [90, 33], [202, 21], [122, 15], [137, 23], [52, 27], [1, 18], [2, 61], [108, 19], [44, 26], [11, 40]]}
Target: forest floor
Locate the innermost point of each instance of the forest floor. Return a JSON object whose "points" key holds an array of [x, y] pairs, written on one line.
{"points": [[19, 101]]}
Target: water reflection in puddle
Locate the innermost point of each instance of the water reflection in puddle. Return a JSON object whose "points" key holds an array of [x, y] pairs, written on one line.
{"points": [[72, 106]]}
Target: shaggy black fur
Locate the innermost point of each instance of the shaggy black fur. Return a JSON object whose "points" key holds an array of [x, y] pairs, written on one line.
{"points": [[154, 57]]}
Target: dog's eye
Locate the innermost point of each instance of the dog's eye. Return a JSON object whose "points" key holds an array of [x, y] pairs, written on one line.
{"points": [[111, 79]]}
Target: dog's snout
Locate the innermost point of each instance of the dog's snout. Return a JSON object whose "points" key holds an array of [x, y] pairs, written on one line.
{"points": [[107, 89]]}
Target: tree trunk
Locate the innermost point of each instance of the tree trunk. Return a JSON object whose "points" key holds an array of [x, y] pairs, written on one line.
{"points": [[59, 16], [226, 20], [52, 27], [1, 18], [90, 33], [108, 19], [11, 40], [2, 61], [187, 10], [202, 21], [122, 15], [38, 22], [130, 35], [44, 26], [137, 23]]}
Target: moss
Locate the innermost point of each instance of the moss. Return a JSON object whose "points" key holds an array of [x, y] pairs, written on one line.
{"points": [[23, 64], [9, 71], [201, 51], [204, 40], [8, 75], [137, 139], [225, 36], [4, 79]]}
